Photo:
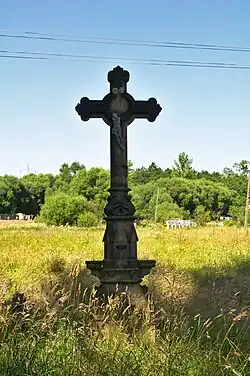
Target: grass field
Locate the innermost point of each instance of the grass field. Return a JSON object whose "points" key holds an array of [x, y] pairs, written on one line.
{"points": [[200, 292]]}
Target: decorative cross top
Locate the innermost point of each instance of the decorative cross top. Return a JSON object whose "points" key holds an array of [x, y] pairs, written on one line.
{"points": [[118, 79], [118, 101]]}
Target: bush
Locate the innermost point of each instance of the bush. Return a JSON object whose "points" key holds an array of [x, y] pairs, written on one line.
{"points": [[63, 209], [147, 198], [201, 216], [229, 223], [88, 219]]}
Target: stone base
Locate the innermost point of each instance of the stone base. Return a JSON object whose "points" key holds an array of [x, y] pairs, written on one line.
{"points": [[115, 280]]}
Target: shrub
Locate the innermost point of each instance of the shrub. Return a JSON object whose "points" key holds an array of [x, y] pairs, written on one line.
{"points": [[88, 219], [229, 223], [201, 215], [64, 209]]}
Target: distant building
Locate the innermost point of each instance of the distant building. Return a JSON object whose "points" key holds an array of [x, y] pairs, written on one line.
{"points": [[7, 217], [179, 223], [18, 216]]}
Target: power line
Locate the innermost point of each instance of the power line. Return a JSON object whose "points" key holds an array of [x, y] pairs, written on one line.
{"points": [[96, 59], [120, 41], [62, 55]]}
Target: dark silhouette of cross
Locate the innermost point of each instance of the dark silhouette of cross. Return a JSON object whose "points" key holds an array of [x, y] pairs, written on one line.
{"points": [[118, 109]]}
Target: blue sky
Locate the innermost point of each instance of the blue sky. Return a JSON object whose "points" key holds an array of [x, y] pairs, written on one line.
{"points": [[206, 112]]}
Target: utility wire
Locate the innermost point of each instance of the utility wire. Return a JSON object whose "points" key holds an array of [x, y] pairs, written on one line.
{"points": [[220, 47], [97, 59], [62, 55], [119, 41]]}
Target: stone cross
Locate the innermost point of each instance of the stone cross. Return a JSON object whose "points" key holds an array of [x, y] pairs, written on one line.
{"points": [[120, 270]]}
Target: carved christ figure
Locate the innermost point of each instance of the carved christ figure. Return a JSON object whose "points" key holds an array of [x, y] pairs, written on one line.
{"points": [[116, 129]]}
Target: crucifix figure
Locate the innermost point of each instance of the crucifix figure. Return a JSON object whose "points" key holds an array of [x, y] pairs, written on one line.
{"points": [[120, 270], [116, 129]]}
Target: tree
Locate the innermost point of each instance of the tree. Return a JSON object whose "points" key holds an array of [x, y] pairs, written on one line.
{"points": [[213, 176], [236, 183], [66, 174], [201, 215], [144, 175], [13, 195], [139, 176], [183, 166], [75, 168], [178, 193], [190, 193], [130, 166], [147, 199], [242, 167], [237, 212], [37, 186], [93, 185]]}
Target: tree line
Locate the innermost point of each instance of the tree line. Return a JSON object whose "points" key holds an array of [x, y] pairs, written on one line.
{"points": [[77, 196]]}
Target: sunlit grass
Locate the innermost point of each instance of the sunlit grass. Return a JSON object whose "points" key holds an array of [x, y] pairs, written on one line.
{"points": [[27, 251], [200, 291]]}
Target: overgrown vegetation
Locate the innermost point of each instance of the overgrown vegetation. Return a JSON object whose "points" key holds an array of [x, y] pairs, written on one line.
{"points": [[40, 342], [179, 192], [197, 323]]}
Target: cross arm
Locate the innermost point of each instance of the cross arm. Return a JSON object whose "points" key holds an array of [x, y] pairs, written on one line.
{"points": [[87, 109], [147, 109]]}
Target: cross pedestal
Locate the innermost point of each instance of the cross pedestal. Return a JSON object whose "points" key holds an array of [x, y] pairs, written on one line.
{"points": [[120, 270]]}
